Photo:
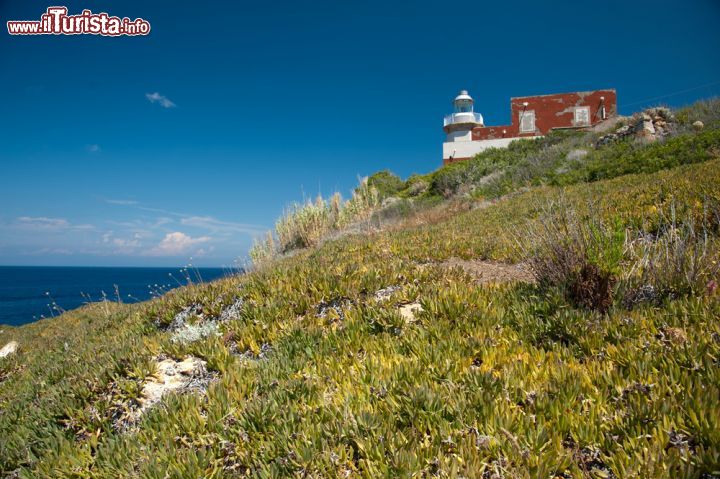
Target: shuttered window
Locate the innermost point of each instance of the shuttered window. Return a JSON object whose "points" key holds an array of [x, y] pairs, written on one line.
{"points": [[582, 115], [527, 121]]}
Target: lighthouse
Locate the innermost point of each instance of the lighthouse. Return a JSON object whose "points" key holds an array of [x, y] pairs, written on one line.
{"points": [[458, 127]]}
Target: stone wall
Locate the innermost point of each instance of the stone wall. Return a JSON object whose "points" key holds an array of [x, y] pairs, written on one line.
{"points": [[648, 126]]}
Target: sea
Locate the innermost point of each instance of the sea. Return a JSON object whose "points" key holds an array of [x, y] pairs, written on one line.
{"points": [[30, 293]]}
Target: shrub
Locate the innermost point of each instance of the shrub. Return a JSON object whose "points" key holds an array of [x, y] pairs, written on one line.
{"points": [[680, 260], [386, 183], [627, 158], [190, 333], [416, 185], [707, 111], [497, 171], [449, 179], [580, 256]]}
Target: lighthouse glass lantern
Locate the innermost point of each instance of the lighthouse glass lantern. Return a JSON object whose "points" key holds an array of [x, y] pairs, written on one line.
{"points": [[463, 102]]}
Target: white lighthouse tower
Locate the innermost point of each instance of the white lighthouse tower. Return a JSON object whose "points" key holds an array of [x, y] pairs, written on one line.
{"points": [[458, 126]]}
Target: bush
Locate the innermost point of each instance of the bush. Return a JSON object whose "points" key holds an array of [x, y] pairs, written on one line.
{"points": [[449, 179], [416, 185], [680, 260], [497, 171], [628, 158], [707, 111], [580, 256], [386, 183]]}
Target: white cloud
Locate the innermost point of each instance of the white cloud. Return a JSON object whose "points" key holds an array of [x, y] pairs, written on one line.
{"points": [[122, 245], [93, 148], [121, 202], [215, 225], [125, 243], [45, 223], [42, 222], [176, 243], [49, 251], [204, 252], [161, 99]]}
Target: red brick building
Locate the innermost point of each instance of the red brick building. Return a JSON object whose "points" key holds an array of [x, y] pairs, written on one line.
{"points": [[530, 116]]}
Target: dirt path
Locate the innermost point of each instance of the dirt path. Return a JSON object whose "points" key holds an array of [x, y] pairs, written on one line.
{"points": [[484, 272]]}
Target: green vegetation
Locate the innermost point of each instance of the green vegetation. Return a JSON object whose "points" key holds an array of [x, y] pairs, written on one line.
{"points": [[305, 225], [606, 366], [386, 183]]}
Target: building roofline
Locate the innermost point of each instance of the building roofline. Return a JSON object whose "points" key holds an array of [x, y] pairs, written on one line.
{"points": [[563, 93]]}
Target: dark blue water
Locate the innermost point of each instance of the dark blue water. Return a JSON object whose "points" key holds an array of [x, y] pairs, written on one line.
{"points": [[24, 298]]}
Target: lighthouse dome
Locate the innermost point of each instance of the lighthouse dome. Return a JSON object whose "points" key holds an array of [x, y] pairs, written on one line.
{"points": [[463, 96]]}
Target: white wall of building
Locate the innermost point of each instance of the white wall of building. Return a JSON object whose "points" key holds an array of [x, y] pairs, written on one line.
{"points": [[467, 149], [463, 135]]}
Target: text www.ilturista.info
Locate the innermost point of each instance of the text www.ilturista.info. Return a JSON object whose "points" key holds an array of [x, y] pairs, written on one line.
{"points": [[56, 21]]}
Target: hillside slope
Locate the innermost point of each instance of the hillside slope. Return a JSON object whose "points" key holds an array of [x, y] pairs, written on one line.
{"points": [[381, 355]]}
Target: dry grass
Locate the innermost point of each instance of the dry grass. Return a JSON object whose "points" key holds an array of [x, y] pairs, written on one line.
{"points": [[305, 225], [680, 258], [581, 256]]}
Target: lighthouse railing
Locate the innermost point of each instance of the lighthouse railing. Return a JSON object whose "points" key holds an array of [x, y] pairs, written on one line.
{"points": [[464, 117]]}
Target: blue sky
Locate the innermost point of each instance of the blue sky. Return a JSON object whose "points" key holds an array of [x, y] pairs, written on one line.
{"points": [[190, 141]]}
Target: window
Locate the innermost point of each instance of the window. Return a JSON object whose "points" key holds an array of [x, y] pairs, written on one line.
{"points": [[582, 115], [527, 121], [463, 106]]}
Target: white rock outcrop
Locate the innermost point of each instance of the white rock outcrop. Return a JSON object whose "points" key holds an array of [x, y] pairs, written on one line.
{"points": [[8, 349], [647, 126]]}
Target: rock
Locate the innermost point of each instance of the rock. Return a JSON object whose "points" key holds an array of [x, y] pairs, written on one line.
{"points": [[253, 354], [408, 311], [674, 335], [647, 126], [334, 309], [187, 376], [664, 113], [233, 311], [418, 187], [389, 201], [385, 293], [576, 154], [646, 130], [171, 375], [8, 349], [698, 125], [606, 139]]}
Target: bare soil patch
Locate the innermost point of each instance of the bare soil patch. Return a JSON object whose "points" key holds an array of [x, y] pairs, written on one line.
{"points": [[485, 272]]}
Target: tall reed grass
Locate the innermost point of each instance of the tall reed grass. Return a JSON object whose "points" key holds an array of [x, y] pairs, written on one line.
{"points": [[304, 225]]}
